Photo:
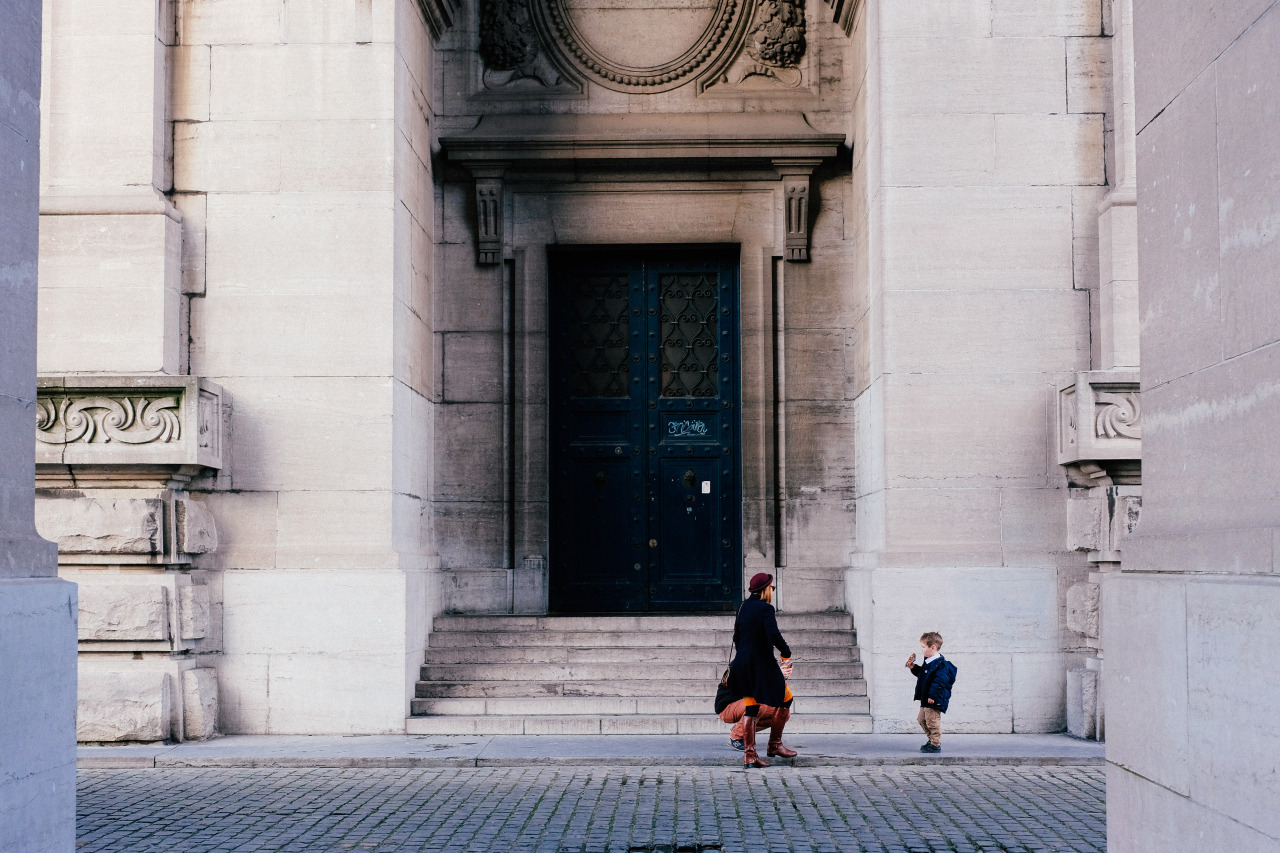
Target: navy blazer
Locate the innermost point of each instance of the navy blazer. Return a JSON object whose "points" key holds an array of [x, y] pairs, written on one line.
{"points": [[934, 681]]}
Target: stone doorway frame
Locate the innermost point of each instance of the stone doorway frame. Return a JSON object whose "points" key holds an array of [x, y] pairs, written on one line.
{"points": [[610, 180], [527, 280]]}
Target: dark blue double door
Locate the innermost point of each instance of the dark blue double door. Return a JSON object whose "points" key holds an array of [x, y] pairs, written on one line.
{"points": [[645, 476]]}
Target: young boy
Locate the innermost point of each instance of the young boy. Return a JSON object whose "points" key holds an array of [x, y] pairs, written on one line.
{"points": [[934, 679]]}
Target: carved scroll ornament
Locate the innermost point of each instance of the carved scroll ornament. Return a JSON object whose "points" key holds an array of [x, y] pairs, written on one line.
{"points": [[1119, 415], [129, 420], [1100, 428]]}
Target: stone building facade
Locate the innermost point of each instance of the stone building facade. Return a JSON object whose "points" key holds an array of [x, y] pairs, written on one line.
{"points": [[357, 315]]}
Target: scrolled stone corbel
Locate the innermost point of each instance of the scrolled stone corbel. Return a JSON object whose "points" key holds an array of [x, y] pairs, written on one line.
{"points": [[489, 225], [795, 205]]}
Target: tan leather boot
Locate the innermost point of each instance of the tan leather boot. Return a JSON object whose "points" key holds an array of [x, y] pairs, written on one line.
{"points": [[750, 758], [775, 735]]}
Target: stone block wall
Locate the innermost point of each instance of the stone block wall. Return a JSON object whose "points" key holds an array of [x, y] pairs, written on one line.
{"points": [[1184, 621], [981, 147], [303, 147], [263, 220]]}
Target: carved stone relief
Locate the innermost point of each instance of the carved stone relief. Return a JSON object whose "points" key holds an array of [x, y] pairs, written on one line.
{"points": [[126, 419], [510, 49], [775, 47], [722, 33], [153, 420], [1100, 428], [542, 44], [1119, 416]]}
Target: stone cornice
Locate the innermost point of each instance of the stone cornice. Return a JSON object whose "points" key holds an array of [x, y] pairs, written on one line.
{"points": [[781, 143], [729, 138]]}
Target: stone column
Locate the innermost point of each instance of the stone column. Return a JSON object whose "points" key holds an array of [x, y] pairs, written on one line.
{"points": [[37, 611], [1189, 620]]}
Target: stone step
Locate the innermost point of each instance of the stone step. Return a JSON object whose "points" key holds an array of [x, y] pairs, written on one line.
{"points": [[598, 724], [626, 639], [634, 654], [660, 672], [650, 705], [614, 688], [832, 621]]}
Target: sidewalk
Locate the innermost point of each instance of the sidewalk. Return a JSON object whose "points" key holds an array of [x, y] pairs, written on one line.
{"points": [[376, 751]]}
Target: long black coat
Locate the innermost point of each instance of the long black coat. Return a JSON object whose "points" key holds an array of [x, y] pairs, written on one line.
{"points": [[754, 671]]}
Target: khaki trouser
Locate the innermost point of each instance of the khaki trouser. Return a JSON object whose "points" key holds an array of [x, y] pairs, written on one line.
{"points": [[931, 721], [734, 711]]}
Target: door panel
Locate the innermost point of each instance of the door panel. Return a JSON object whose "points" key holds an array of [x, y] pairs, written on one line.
{"points": [[644, 422]]}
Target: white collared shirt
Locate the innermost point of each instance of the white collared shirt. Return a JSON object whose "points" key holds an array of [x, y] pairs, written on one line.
{"points": [[928, 661]]}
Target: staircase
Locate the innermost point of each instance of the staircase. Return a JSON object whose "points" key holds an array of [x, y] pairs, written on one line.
{"points": [[490, 675]]}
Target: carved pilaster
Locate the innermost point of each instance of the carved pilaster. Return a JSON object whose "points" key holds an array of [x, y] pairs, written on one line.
{"points": [[439, 15], [843, 13], [795, 206]]}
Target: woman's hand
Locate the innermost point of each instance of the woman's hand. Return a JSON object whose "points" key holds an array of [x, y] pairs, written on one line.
{"points": [[786, 667]]}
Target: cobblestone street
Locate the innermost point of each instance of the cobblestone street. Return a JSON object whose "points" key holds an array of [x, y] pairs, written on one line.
{"points": [[586, 809]]}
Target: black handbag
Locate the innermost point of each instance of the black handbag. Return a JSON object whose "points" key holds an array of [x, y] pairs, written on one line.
{"points": [[723, 696]]}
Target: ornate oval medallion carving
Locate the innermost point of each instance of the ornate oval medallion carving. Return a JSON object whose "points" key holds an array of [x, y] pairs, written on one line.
{"points": [[722, 31]]}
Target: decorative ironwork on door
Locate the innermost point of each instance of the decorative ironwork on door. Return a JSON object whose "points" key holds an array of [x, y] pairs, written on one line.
{"points": [[601, 327], [645, 481], [689, 306]]}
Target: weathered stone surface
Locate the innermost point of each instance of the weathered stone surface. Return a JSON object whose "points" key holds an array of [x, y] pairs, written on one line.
{"points": [[115, 280], [197, 533], [37, 708], [199, 703], [124, 612], [1082, 702], [1083, 600], [106, 525], [124, 705], [193, 611]]}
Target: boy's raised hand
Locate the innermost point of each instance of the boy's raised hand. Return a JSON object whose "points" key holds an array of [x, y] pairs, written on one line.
{"points": [[911, 661]]}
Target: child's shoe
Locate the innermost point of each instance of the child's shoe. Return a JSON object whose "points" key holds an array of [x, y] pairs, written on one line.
{"points": [[737, 744], [928, 747]]}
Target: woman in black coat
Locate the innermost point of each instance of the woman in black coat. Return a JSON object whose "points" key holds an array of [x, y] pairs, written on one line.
{"points": [[754, 674]]}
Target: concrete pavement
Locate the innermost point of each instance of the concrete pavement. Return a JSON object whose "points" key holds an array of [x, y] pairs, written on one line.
{"points": [[403, 751]]}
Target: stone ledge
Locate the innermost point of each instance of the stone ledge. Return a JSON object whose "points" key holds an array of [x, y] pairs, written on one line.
{"points": [[128, 420], [1099, 425]]}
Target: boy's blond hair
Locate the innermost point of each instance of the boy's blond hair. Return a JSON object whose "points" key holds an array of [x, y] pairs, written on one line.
{"points": [[931, 638]]}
